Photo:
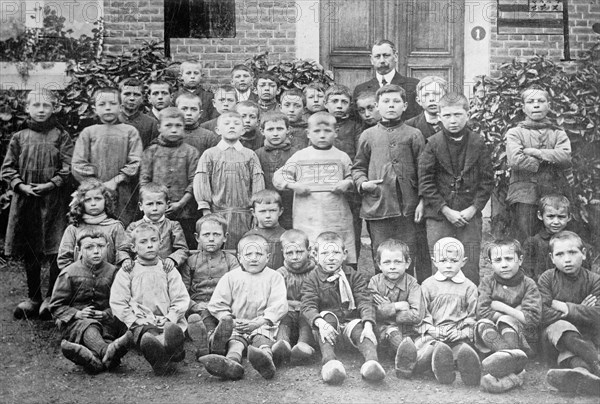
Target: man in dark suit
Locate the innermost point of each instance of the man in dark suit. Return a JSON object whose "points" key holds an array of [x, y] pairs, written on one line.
{"points": [[384, 58]]}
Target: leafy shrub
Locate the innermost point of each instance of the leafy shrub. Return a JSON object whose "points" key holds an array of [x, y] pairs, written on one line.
{"points": [[575, 105]]}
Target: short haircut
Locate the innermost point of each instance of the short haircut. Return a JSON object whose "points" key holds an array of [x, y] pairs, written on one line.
{"points": [[385, 42], [267, 76], [293, 92], [242, 67], [226, 88], [90, 233], [555, 201], [338, 89], [252, 238], [446, 244], [505, 242], [105, 90], [425, 81], [144, 226], [565, 235], [161, 83], [393, 245], [536, 88], [266, 196], [189, 96], [247, 104], [42, 95], [314, 86], [391, 88], [274, 116], [170, 112], [321, 117], [131, 82], [292, 235], [366, 95], [228, 114], [329, 237], [454, 100], [154, 188], [214, 218], [189, 63]]}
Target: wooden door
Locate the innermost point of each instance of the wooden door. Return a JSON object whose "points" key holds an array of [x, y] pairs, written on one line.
{"points": [[428, 34]]}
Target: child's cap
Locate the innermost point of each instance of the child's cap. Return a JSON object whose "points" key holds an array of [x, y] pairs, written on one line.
{"points": [[393, 245], [565, 235], [170, 112], [294, 235], [321, 117], [330, 237], [273, 116], [427, 80], [266, 196], [189, 96], [454, 100], [505, 242], [446, 245], [555, 201], [213, 218], [154, 188], [90, 233], [338, 89], [390, 88]]}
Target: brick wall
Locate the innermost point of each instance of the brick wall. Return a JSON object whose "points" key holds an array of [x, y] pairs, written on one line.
{"points": [[260, 26], [582, 15]]}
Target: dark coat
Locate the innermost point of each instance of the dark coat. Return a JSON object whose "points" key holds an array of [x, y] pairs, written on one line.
{"points": [[420, 123]]}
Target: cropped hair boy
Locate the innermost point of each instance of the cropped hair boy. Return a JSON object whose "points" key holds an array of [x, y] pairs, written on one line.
{"points": [[252, 138], [429, 92], [131, 113], [160, 97], [242, 81], [225, 98], [266, 85], [190, 75], [194, 135]]}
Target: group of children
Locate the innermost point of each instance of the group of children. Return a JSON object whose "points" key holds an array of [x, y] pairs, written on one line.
{"points": [[272, 191]]}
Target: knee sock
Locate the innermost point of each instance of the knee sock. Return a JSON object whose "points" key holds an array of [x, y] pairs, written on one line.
{"points": [[304, 332], [367, 348], [92, 339], [577, 362], [53, 273], [283, 333], [327, 350], [511, 337], [235, 350], [260, 341], [33, 270], [491, 337], [395, 339], [580, 347], [424, 355]]}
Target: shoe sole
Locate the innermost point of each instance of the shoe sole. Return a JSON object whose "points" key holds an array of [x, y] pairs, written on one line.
{"points": [[154, 353], [469, 366], [442, 364], [333, 372], [501, 364], [119, 348], [261, 362], [222, 367], [406, 359], [301, 353], [281, 352], [221, 336], [82, 356], [372, 371], [199, 336], [574, 381]]}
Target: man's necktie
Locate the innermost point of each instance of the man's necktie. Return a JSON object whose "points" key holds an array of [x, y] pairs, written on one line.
{"points": [[383, 82]]}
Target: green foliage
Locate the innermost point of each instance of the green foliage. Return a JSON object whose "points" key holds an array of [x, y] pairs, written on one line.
{"points": [[295, 74], [575, 103]]}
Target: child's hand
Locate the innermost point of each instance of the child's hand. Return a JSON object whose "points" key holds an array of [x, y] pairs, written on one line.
{"points": [[341, 187], [247, 326], [89, 312], [299, 189], [205, 212], [533, 152], [110, 185], [378, 299], [326, 331], [174, 209], [42, 189], [589, 301], [26, 189], [169, 264], [368, 333], [453, 335], [370, 186], [401, 306], [454, 217], [468, 213], [161, 321], [560, 306], [127, 265], [419, 212], [387, 309]]}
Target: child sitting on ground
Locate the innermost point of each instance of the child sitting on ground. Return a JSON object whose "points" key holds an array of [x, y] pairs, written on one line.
{"points": [[36, 167], [152, 300], [509, 309], [398, 304], [92, 337], [297, 265], [202, 139], [111, 152], [447, 329], [538, 153], [255, 296], [337, 303], [252, 138], [92, 210], [266, 209], [570, 316], [190, 74], [172, 250], [200, 274], [273, 155], [225, 100], [226, 178], [320, 177], [172, 163]]}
